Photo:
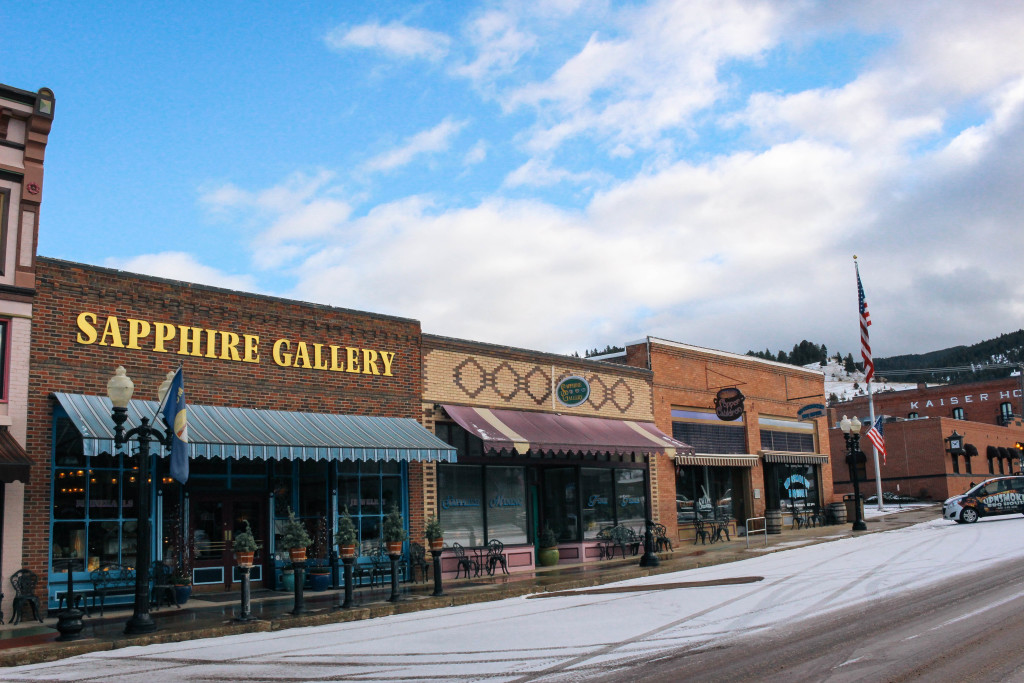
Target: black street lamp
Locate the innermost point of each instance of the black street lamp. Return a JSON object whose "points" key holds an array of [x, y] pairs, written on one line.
{"points": [[649, 558], [119, 390], [854, 458]]}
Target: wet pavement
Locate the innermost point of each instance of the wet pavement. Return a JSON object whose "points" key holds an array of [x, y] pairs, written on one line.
{"points": [[211, 615]]}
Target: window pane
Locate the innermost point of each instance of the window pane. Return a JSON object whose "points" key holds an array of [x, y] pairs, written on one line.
{"points": [[461, 514], [68, 541], [282, 488], [598, 505], [686, 480], [560, 503], [370, 495], [104, 543], [312, 489], [391, 490], [506, 504], [721, 479], [369, 531], [348, 495], [104, 500], [69, 494], [632, 503]]}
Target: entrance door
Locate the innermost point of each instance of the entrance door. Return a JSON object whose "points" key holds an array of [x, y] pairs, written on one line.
{"points": [[216, 519]]}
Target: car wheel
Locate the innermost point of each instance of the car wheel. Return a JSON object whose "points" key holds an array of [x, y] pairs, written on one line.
{"points": [[968, 515]]}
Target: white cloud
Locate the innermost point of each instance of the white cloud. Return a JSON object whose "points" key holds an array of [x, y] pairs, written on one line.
{"points": [[499, 42], [178, 265], [436, 139], [394, 38], [540, 173], [477, 154]]}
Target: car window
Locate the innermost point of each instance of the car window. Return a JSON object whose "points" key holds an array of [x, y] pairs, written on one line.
{"points": [[987, 489]]}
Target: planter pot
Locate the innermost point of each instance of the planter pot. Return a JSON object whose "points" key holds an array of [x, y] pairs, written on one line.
{"points": [[394, 547], [436, 543], [244, 559], [319, 582], [297, 554], [547, 557], [288, 581], [348, 550], [182, 594]]}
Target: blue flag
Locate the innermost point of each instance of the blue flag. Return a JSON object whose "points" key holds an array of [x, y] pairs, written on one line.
{"points": [[175, 419]]}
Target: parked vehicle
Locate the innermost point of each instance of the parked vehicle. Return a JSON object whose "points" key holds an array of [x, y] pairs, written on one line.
{"points": [[999, 496]]}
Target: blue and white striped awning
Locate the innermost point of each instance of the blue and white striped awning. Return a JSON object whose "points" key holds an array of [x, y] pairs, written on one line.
{"points": [[219, 432]]}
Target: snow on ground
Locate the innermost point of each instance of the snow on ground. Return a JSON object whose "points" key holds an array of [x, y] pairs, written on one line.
{"points": [[871, 510], [848, 385], [563, 638]]}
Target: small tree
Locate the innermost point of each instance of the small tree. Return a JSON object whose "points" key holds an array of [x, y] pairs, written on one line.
{"points": [[394, 527], [294, 534]]}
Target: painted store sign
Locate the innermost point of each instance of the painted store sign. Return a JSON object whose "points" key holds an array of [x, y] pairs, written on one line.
{"points": [[185, 340], [967, 398]]}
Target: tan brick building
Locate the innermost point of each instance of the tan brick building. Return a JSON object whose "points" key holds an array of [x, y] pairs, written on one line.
{"points": [[529, 459]]}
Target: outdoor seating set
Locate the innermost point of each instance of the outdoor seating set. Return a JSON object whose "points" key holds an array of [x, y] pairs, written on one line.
{"points": [[811, 517], [626, 538], [710, 530], [483, 558]]}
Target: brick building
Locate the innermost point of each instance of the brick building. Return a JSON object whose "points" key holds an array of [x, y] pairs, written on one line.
{"points": [[742, 415], [25, 120], [290, 405], [918, 422], [542, 440]]}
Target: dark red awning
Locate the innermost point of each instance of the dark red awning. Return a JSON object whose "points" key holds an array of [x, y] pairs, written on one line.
{"points": [[522, 432], [15, 464]]}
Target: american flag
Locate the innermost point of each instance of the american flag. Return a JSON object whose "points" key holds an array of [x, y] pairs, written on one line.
{"points": [[875, 436], [865, 323]]}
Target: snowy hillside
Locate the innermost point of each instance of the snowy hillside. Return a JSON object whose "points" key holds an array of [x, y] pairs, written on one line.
{"points": [[847, 385]]}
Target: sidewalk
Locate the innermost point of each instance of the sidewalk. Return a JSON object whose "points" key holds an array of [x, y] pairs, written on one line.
{"points": [[212, 615]]}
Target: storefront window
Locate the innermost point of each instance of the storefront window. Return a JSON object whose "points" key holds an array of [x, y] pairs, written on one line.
{"points": [[461, 512], [598, 500], [796, 485], [506, 504], [368, 490], [631, 500], [704, 493]]}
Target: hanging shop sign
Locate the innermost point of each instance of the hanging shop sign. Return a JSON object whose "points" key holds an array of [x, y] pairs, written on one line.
{"points": [[572, 391], [185, 340], [811, 411], [729, 404]]}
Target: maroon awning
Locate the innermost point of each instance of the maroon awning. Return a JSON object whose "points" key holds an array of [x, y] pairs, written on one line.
{"points": [[15, 464], [522, 432]]}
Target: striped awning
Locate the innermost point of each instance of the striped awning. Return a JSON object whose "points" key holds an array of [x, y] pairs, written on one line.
{"points": [[795, 458], [246, 433], [708, 460], [522, 432]]}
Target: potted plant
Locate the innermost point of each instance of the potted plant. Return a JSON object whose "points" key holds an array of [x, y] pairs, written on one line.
{"points": [[547, 556], [346, 535], [245, 546], [182, 583], [394, 531], [434, 533], [294, 537]]}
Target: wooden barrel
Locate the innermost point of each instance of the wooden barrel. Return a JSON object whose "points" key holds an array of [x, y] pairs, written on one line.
{"points": [[838, 511], [773, 521]]}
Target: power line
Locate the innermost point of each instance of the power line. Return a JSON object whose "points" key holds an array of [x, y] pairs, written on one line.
{"points": [[953, 369]]}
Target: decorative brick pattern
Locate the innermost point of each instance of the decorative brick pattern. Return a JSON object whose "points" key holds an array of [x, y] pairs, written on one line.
{"points": [[467, 373]]}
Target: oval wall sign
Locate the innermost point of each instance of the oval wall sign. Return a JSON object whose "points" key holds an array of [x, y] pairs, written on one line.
{"points": [[729, 404], [572, 391]]}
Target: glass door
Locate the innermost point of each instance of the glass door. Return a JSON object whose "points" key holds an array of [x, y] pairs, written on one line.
{"points": [[215, 521]]}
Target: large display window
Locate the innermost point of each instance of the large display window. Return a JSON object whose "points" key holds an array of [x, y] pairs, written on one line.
{"points": [[704, 493], [607, 497], [480, 503]]}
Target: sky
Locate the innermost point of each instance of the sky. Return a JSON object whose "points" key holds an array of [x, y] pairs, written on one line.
{"points": [[556, 176], [581, 636]]}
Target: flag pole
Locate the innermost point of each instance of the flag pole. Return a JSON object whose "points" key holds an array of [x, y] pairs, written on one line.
{"points": [[878, 472], [869, 372]]}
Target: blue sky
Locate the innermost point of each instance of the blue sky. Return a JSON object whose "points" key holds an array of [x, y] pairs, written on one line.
{"points": [[556, 177]]}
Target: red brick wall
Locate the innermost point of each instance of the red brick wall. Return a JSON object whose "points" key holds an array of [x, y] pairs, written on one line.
{"points": [[917, 460], [61, 364], [688, 377]]}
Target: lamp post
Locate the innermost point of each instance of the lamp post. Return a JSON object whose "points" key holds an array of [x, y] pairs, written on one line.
{"points": [[119, 389], [649, 558], [851, 432]]}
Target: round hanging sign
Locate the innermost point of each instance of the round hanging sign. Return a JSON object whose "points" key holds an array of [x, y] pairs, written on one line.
{"points": [[572, 391]]}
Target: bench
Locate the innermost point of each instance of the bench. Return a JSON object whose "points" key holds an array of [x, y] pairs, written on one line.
{"points": [[111, 579]]}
